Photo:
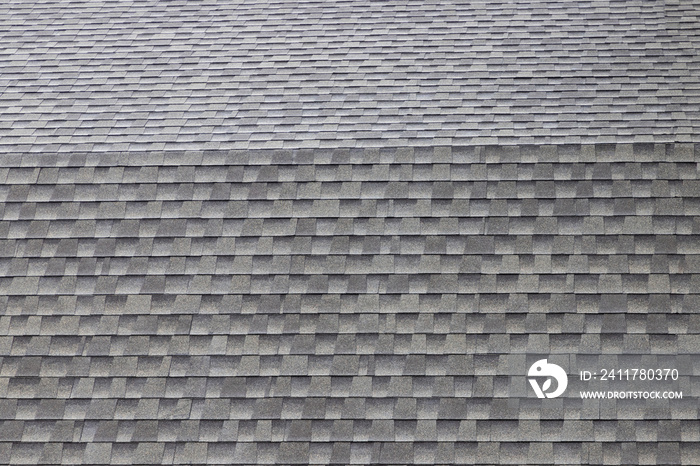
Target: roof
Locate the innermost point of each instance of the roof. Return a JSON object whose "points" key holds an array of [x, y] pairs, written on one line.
{"points": [[341, 232], [149, 75]]}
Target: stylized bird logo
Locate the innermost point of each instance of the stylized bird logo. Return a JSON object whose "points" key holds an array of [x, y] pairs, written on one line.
{"points": [[542, 368]]}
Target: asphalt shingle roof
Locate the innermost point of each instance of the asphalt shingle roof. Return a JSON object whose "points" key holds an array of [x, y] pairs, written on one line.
{"points": [[335, 306], [285, 232], [135, 75]]}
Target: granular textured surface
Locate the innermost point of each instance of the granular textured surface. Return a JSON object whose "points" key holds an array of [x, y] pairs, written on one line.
{"points": [[346, 306], [212, 74], [264, 232]]}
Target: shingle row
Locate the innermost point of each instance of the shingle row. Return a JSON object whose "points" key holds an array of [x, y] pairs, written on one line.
{"points": [[121, 180], [426, 235], [510, 285], [288, 350], [188, 163], [475, 402], [234, 197], [206, 328], [184, 303], [357, 452], [681, 266], [422, 430], [670, 248]]}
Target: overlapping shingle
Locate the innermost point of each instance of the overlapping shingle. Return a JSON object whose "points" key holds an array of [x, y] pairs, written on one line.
{"points": [[356, 306], [142, 75], [340, 232]]}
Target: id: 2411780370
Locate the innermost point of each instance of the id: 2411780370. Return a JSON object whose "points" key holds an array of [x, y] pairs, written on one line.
{"points": [[631, 374]]}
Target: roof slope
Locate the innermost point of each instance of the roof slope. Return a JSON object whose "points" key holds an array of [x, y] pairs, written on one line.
{"points": [[121, 75], [341, 232], [347, 306]]}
